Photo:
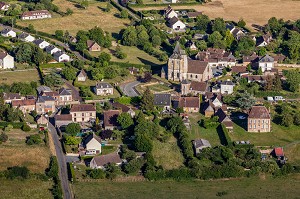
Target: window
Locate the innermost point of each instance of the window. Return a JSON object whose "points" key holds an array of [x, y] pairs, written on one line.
{"points": [[254, 126], [74, 119], [82, 114], [91, 114], [82, 119], [74, 114], [196, 76], [250, 121], [191, 76]]}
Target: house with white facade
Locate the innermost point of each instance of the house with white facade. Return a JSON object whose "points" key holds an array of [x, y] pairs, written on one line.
{"points": [[26, 37], [36, 14], [170, 13], [42, 44], [60, 56], [99, 162], [103, 88], [4, 6], [176, 24], [52, 49], [227, 87], [6, 61], [92, 145], [8, 33], [266, 63]]}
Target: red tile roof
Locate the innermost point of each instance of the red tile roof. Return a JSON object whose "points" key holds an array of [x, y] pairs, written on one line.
{"points": [[238, 69], [259, 112], [278, 151], [196, 66], [82, 108], [189, 102], [28, 102], [198, 86], [63, 117]]}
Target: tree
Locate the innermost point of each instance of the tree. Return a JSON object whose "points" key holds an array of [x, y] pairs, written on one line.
{"points": [[147, 77], [26, 128], [259, 71], [245, 46], [111, 72], [224, 71], [297, 119], [139, 2], [133, 166], [287, 119], [53, 79], [140, 118], [71, 140], [125, 120], [96, 173], [201, 45], [124, 14], [241, 23], [248, 67], [215, 39], [97, 73], [156, 40], [269, 83], [3, 137], [277, 83], [84, 4], [274, 25], [202, 22], [17, 171], [245, 100], [147, 102], [30, 28], [293, 79], [33, 139], [261, 51], [69, 11], [142, 37], [143, 143], [108, 7], [59, 34], [69, 72], [129, 37], [73, 129], [24, 53], [106, 134], [104, 58], [119, 53], [219, 25], [97, 34], [228, 38]]}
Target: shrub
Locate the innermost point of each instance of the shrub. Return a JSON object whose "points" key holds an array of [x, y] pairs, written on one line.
{"points": [[17, 171], [8, 128], [3, 137], [33, 139], [96, 173], [26, 128]]}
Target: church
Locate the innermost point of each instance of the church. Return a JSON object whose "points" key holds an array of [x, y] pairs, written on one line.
{"points": [[181, 67]]}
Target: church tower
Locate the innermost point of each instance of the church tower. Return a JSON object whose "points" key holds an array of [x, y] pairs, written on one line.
{"points": [[177, 64]]}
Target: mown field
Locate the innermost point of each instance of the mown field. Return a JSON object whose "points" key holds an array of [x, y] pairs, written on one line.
{"points": [[9, 77], [253, 12], [256, 187], [81, 19]]}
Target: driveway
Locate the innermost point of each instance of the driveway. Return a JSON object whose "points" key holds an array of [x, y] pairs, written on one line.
{"points": [[129, 89]]}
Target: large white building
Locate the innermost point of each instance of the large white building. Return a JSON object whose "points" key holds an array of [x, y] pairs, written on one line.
{"points": [[266, 63], [6, 61], [37, 14]]}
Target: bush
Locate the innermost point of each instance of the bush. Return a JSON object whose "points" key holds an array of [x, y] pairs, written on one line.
{"points": [[73, 129], [17, 171], [3, 137], [96, 173], [26, 128], [33, 139]]}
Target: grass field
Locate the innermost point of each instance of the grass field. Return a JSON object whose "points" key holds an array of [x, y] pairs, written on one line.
{"points": [[81, 19], [253, 12], [25, 189], [134, 55], [167, 154], [236, 188], [9, 77], [15, 152]]}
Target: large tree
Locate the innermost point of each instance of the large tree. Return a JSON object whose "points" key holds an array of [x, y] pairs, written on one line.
{"points": [[293, 79], [147, 102], [69, 72], [219, 25], [73, 129], [125, 120], [245, 101], [129, 37], [202, 22]]}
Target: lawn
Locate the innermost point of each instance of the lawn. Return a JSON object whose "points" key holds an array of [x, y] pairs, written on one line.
{"points": [[154, 87], [167, 154], [15, 152], [236, 188], [198, 131], [81, 19], [25, 189], [134, 55], [253, 12], [9, 77]]}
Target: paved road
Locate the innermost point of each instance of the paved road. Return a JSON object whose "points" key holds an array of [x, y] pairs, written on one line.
{"points": [[129, 89], [63, 172]]}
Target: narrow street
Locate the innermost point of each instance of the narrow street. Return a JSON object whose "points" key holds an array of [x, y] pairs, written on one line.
{"points": [[61, 159], [129, 89]]}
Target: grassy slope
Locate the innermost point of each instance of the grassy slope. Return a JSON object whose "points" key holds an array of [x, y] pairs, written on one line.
{"points": [[9, 77], [236, 188]]}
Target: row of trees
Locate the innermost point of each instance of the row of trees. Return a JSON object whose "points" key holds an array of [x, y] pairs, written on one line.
{"points": [[30, 53]]}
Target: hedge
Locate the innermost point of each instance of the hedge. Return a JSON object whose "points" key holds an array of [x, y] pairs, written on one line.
{"points": [[71, 171], [161, 5], [227, 139], [16, 125], [53, 65], [121, 8], [119, 90]]}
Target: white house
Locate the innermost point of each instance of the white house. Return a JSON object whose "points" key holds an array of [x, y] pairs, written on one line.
{"points": [[227, 87], [36, 14], [8, 33], [52, 49], [217, 101], [170, 13], [26, 37], [99, 162], [6, 61], [266, 63], [92, 145], [176, 24], [4, 6], [81, 77], [60, 56], [42, 44], [103, 88]]}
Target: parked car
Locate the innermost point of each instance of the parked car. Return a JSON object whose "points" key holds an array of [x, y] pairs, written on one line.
{"points": [[278, 98]]}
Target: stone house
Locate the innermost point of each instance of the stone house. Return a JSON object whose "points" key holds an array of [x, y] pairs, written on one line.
{"points": [[189, 104], [45, 104], [259, 119], [200, 144], [124, 108], [110, 119], [103, 88], [227, 87], [63, 120], [92, 46], [162, 100], [192, 87], [81, 77], [99, 162], [266, 63], [83, 112], [25, 105]]}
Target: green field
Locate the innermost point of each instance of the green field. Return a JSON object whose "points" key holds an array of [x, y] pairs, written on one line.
{"points": [[9, 77], [25, 189], [256, 187]]}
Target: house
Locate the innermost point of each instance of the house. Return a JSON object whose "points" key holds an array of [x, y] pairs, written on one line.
{"points": [[200, 144], [43, 89], [25, 105], [92, 144], [239, 70], [263, 40], [42, 44], [192, 87], [176, 24], [259, 119], [36, 14], [216, 88], [162, 100], [224, 119], [8, 33], [216, 57], [10, 97], [227, 87], [124, 108], [133, 70], [92, 46], [4, 6], [65, 96], [81, 77], [72, 39], [26, 37], [52, 94], [52, 49], [103, 88], [193, 15], [42, 120], [170, 13], [180, 67], [63, 120], [60, 56], [45, 104], [208, 109], [99, 162], [110, 119], [236, 32], [189, 104], [257, 78], [217, 101], [83, 112], [266, 63], [6, 61], [252, 59], [278, 152]]}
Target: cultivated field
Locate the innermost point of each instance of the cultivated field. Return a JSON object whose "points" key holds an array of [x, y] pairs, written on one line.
{"points": [[264, 187], [9, 77], [253, 12], [25, 189], [15, 152], [81, 19]]}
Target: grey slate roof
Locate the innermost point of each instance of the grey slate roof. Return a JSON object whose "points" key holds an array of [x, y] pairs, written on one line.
{"points": [[41, 89], [227, 83], [201, 143], [103, 85], [45, 98], [266, 58], [6, 30], [162, 99], [90, 137], [38, 41], [63, 91]]}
